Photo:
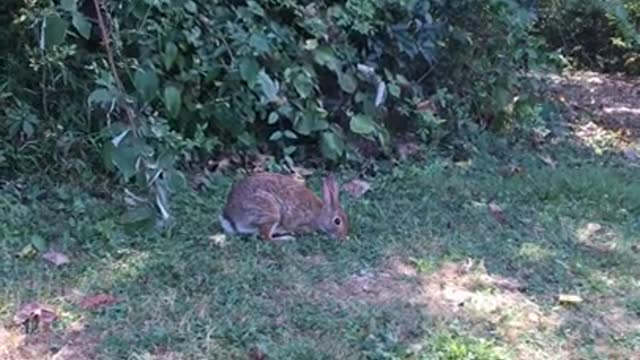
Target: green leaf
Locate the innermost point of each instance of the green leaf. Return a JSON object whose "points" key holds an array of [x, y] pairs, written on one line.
{"points": [[362, 124], [323, 55], [191, 7], [99, 96], [169, 55], [249, 69], [27, 128], [55, 31], [394, 90], [290, 134], [125, 158], [308, 122], [146, 82], [68, 5], [289, 150], [273, 118], [38, 242], [502, 97], [81, 24], [176, 181], [347, 82], [137, 215], [277, 135], [256, 8], [260, 43], [331, 145], [268, 86], [172, 100], [303, 84]]}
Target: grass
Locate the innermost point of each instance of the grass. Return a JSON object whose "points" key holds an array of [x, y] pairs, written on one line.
{"points": [[428, 274]]}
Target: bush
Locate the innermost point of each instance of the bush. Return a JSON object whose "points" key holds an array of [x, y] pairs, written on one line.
{"points": [[295, 78], [595, 34]]}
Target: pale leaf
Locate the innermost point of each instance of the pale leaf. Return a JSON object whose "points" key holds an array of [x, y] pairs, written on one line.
{"points": [[569, 299], [357, 188], [56, 258]]}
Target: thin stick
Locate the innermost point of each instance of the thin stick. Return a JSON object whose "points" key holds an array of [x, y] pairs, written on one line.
{"points": [[110, 58]]}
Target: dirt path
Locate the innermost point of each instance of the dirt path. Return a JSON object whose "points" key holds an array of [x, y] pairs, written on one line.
{"points": [[600, 103]]}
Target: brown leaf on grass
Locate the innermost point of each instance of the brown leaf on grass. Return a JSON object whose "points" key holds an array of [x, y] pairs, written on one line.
{"points": [[357, 188], [94, 302], [407, 149], [497, 213], [259, 162], [56, 258], [35, 311]]}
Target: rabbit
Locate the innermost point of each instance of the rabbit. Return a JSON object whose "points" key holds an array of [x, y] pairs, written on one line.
{"points": [[277, 206]]}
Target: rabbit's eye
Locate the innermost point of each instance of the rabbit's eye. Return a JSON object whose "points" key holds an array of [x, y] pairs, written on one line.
{"points": [[337, 221]]}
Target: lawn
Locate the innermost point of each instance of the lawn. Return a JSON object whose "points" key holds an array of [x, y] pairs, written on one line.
{"points": [[446, 260]]}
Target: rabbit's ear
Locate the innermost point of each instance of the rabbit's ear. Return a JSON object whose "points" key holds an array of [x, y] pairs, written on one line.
{"points": [[330, 191]]}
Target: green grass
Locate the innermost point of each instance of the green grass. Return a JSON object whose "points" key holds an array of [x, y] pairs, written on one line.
{"points": [[186, 296]]}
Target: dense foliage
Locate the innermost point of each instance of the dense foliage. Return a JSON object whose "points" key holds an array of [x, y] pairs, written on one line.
{"points": [[180, 80], [596, 34]]}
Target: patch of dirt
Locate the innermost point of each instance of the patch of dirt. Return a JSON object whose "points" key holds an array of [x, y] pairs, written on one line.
{"points": [[456, 292], [489, 305], [75, 343], [612, 102]]}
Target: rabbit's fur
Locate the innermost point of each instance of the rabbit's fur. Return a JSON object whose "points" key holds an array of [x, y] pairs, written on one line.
{"points": [[276, 206]]}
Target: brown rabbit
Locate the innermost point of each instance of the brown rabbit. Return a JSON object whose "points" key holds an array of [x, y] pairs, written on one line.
{"points": [[276, 206]]}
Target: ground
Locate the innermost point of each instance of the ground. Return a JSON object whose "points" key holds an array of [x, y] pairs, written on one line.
{"points": [[530, 250]]}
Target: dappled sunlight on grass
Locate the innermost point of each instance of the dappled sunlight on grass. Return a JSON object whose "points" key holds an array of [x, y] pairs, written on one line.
{"points": [[482, 304], [107, 272], [599, 139], [73, 341]]}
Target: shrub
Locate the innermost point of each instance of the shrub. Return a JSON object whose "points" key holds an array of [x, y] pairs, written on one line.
{"points": [[296, 78], [595, 34]]}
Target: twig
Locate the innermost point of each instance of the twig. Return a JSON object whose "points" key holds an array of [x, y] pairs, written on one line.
{"points": [[112, 64], [43, 85]]}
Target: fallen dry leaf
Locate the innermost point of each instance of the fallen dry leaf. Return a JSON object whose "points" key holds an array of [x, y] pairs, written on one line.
{"points": [[34, 311], [569, 299], [219, 240], [425, 105], [301, 171], [94, 302], [587, 232], [220, 165], [27, 252], [407, 149], [56, 258], [497, 213], [357, 188]]}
